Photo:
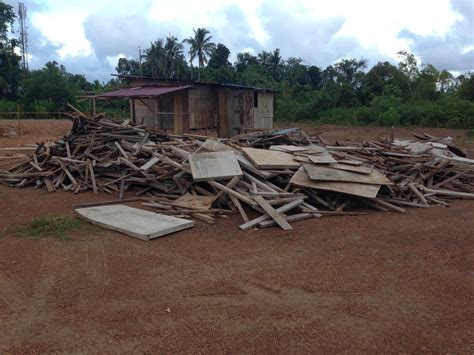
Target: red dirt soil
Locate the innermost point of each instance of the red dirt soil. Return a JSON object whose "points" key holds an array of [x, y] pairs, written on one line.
{"points": [[382, 282]]}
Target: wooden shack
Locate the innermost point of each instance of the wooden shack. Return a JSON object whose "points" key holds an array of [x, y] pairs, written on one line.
{"points": [[182, 107]]}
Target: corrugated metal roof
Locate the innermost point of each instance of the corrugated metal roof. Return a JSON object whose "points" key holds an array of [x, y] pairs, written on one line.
{"points": [[195, 83], [143, 91]]}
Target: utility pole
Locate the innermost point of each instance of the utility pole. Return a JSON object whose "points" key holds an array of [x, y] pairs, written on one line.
{"points": [[140, 59], [23, 35]]}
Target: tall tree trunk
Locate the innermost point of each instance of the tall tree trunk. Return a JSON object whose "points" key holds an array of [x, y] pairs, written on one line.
{"points": [[199, 72]]}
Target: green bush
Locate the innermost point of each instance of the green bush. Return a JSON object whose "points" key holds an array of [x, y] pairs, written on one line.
{"points": [[8, 106], [386, 110]]}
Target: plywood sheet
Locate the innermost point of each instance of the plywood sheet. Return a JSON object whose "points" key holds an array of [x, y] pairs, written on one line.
{"points": [[270, 159], [324, 158], [135, 222], [350, 162], [323, 173], [302, 179], [288, 148], [354, 168], [214, 166], [218, 146], [316, 149], [194, 202]]}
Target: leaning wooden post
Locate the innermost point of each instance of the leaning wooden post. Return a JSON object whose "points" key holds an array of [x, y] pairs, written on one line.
{"points": [[94, 110], [18, 117]]}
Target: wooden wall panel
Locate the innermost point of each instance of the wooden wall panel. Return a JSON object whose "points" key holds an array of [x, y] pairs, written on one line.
{"points": [[263, 114], [202, 102], [145, 112], [222, 113], [240, 110], [181, 121]]}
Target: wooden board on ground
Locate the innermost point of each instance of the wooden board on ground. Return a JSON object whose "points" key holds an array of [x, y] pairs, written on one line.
{"points": [[135, 222], [324, 158], [194, 202], [270, 159], [354, 168], [278, 218], [214, 166], [287, 148], [216, 145], [302, 179], [316, 149], [323, 173], [17, 150], [351, 162]]}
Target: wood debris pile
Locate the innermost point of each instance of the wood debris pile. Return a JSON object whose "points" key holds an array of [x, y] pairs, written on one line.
{"points": [[279, 176]]}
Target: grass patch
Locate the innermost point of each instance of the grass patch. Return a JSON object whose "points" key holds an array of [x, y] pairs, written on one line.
{"points": [[53, 225]]}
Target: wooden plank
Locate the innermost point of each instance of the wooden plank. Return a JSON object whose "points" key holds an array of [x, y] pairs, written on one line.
{"points": [[247, 165], [269, 159], [353, 168], [281, 209], [194, 202], [278, 218], [68, 173], [322, 159], [49, 185], [150, 163], [403, 202], [222, 112], [181, 123], [234, 181], [121, 150], [350, 162], [389, 205], [236, 194], [214, 166], [135, 222], [91, 170], [203, 217], [292, 218], [288, 148], [323, 173], [417, 193], [237, 204], [363, 190], [217, 146], [443, 192]]}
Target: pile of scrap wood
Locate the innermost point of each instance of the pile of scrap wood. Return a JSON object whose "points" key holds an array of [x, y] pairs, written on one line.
{"points": [[13, 155], [279, 176]]}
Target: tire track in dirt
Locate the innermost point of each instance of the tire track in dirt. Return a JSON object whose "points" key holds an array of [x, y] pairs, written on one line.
{"points": [[10, 293], [252, 291]]}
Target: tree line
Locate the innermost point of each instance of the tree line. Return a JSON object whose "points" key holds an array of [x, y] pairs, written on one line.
{"points": [[346, 92]]}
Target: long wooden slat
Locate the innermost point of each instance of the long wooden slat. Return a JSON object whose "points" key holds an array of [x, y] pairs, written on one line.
{"points": [[278, 218], [281, 209]]}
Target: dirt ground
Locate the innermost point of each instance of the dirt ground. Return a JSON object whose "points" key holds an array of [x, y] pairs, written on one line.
{"points": [[382, 282]]}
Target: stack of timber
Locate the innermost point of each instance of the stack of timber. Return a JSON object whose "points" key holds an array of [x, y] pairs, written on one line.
{"points": [[269, 178]]}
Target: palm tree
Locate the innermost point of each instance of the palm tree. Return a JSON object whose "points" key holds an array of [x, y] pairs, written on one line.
{"points": [[174, 56], [155, 57], [264, 58], [201, 47], [274, 61]]}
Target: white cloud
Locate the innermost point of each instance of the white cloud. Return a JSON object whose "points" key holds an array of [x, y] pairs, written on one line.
{"points": [[90, 35]]}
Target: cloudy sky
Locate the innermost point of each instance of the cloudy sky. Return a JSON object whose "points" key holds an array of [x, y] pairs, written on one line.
{"points": [[88, 36]]}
